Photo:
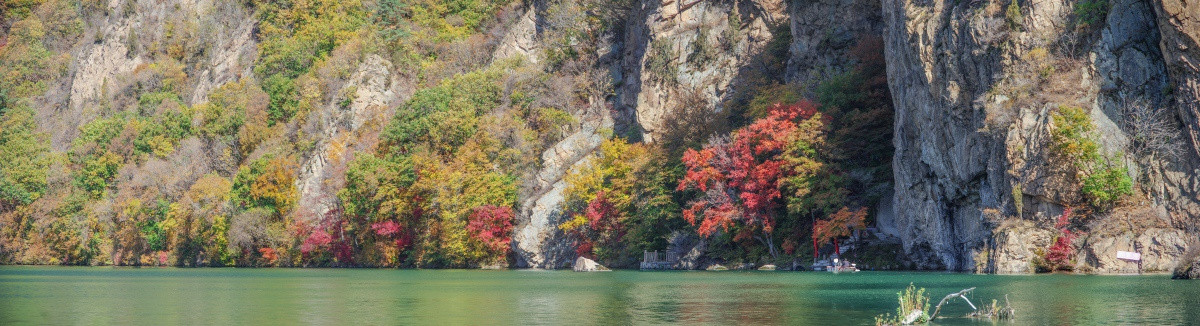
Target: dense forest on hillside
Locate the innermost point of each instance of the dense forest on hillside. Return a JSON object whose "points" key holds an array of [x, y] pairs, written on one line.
{"points": [[154, 178], [510, 133]]}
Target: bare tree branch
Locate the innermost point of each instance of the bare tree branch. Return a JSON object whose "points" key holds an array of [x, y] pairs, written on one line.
{"points": [[960, 294]]}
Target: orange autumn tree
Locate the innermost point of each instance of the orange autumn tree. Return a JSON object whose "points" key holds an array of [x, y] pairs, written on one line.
{"points": [[839, 225], [740, 180]]}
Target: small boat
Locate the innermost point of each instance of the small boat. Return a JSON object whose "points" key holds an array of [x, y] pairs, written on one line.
{"points": [[837, 266], [851, 268]]}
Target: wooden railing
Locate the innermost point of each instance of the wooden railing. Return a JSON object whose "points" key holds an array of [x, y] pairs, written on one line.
{"points": [[655, 260]]}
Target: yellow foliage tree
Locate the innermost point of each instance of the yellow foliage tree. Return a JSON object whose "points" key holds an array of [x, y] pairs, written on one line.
{"points": [[610, 171], [456, 187]]}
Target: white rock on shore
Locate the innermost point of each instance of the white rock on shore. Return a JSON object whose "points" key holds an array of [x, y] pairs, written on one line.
{"points": [[582, 264]]}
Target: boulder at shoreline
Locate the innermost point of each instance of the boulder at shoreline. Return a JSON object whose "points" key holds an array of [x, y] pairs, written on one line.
{"points": [[583, 264]]}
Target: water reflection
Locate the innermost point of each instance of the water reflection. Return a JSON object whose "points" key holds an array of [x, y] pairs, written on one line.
{"points": [[59, 295]]}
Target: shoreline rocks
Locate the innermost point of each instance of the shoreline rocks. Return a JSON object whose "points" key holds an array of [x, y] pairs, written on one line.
{"points": [[1189, 265], [583, 264]]}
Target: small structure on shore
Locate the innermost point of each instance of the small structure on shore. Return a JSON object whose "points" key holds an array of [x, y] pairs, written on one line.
{"points": [[836, 266], [1132, 257], [652, 260]]}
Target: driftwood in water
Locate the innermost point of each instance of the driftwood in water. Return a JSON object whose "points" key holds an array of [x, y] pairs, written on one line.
{"points": [[960, 294], [916, 315], [995, 311]]}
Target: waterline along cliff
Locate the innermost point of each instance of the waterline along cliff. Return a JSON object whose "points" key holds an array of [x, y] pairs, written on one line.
{"points": [[989, 136]]}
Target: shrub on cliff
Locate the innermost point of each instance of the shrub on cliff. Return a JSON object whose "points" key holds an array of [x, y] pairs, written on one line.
{"points": [[1105, 186], [1060, 255], [1090, 14], [1103, 181]]}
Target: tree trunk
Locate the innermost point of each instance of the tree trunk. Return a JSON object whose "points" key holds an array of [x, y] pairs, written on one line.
{"points": [[770, 243], [836, 251]]}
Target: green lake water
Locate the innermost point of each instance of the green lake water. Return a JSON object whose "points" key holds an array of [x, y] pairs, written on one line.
{"points": [[229, 296]]}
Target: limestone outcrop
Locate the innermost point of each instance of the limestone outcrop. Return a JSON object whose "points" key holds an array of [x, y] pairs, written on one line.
{"points": [[361, 106], [114, 53]]}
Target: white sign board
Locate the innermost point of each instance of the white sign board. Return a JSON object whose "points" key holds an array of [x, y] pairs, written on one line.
{"points": [[1127, 255]]}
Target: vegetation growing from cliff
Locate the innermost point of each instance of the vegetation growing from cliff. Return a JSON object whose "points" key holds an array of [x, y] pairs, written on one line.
{"points": [[621, 202], [1061, 254], [180, 162], [437, 173], [1090, 14], [1103, 178]]}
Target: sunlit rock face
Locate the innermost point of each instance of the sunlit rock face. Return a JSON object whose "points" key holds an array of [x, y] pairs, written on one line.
{"points": [[974, 87], [675, 50], [655, 65]]}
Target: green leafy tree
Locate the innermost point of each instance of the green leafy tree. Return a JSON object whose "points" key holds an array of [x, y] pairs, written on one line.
{"points": [[97, 171], [1103, 181], [267, 182], [23, 174], [443, 117]]}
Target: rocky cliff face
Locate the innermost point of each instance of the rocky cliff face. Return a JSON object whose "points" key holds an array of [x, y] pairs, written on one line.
{"points": [[537, 241], [216, 41], [1179, 25], [823, 31], [679, 49], [973, 85], [669, 50], [123, 37], [346, 124]]}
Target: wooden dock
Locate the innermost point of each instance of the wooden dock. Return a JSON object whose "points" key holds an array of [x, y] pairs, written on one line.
{"points": [[652, 260]]}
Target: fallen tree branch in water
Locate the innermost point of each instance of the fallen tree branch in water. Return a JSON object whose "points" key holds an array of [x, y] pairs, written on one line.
{"points": [[914, 306], [960, 294]]}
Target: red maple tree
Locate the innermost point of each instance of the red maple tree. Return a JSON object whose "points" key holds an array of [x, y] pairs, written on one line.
{"points": [[740, 178], [492, 226], [268, 254], [604, 221], [325, 235], [389, 229], [1061, 251], [839, 225], [604, 226]]}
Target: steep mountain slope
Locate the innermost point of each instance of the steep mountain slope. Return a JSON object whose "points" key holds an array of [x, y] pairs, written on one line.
{"points": [[978, 178], [426, 133]]}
